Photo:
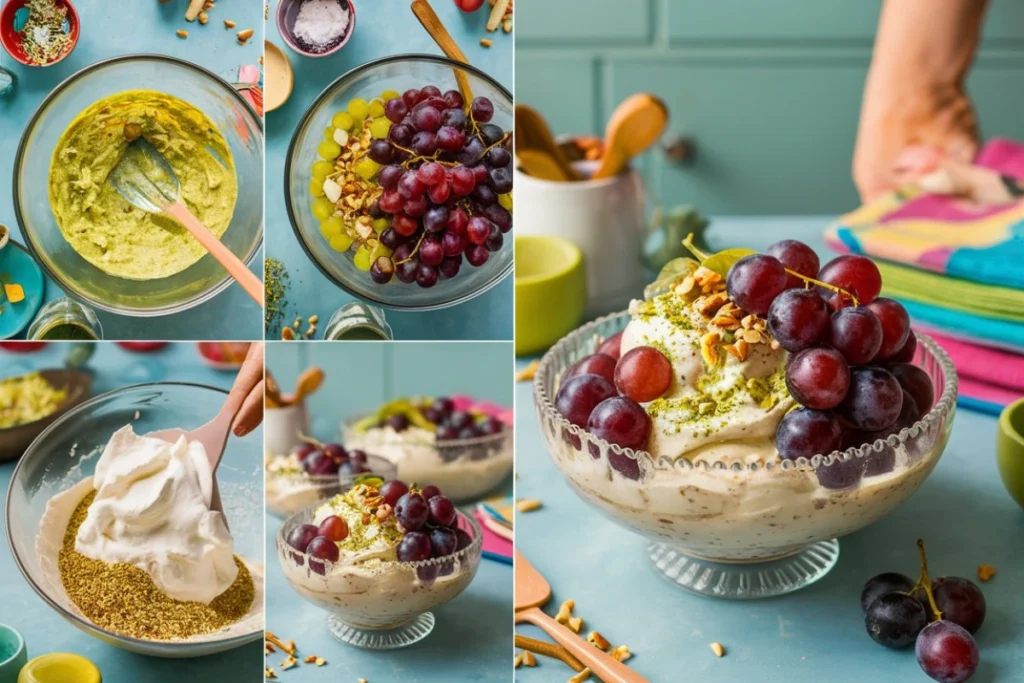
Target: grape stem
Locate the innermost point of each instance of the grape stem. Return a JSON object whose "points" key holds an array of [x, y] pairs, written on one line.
{"points": [[925, 581], [808, 281], [310, 440], [415, 249], [415, 158]]}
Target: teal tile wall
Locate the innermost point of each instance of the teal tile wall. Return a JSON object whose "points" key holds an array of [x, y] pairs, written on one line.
{"points": [[770, 92], [361, 376]]}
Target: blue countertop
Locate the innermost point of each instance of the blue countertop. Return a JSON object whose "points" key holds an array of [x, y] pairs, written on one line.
{"points": [[382, 29], [110, 29], [816, 634], [46, 631]]}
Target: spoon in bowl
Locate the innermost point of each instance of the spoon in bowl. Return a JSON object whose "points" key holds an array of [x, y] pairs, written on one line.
{"points": [[532, 591], [146, 180], [635, 125]]}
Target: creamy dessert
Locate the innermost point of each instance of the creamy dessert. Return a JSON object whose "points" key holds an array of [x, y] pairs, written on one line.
{"points": [[138, 550], [464, 450], [380, 554], [724, 418], [315, 471]]}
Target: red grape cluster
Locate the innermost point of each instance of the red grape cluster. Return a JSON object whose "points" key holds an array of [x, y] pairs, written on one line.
{"points": [[602, 393], [443, 169], [849, 350], [329, 459], [431, 525], [899, 613], [449, 424]]}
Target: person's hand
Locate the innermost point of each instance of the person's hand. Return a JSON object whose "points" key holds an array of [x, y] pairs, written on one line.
{"points": [[249, 383]]}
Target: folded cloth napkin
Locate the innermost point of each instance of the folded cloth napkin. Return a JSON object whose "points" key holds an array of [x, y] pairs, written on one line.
{"points": [[1001, 370], [983, 330], [923, 287], [943, 234]]}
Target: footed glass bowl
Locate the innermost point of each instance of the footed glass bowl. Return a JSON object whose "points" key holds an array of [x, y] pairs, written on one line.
{"points": [[66, 453], [379, 605], [400, 73], [738, 530], [289, 492]]}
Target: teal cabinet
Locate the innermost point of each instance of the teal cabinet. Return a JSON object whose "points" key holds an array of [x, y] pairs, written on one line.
{"points": [[770, 93]]}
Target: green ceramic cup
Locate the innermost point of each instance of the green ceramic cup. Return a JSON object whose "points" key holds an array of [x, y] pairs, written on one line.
{"points": [[13, 654], [1010, 449], [551, 291]]}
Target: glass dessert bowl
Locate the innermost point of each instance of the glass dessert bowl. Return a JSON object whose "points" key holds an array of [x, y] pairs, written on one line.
{"points": [[346, 242], [732, 518], [375, 600], [308, 475], [424, 446], [63, 458]]}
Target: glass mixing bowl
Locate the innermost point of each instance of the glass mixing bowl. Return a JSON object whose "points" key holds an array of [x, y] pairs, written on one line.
{"points": [[237, 122], [379, 605], [737, 530], [66, 453], [400, 73]]}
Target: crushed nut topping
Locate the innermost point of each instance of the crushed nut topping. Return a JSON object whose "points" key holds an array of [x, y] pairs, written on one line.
{"points": [[598, 641], [528, 505], [717, 649], [986, 572]]}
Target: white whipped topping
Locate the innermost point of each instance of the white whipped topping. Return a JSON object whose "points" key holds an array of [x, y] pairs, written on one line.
{"points": [[152, 510]]}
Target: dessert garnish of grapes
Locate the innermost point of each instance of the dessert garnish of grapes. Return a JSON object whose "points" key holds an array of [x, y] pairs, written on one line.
{"points": [[938, 617], [320, 459], [431, 416], [414, 182], [748, 355], [381, 521]]}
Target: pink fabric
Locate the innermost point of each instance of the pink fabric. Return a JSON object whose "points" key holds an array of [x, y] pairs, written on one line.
{"points": [[972, 388], [1002, 370], [464, 402], [493, 543]]}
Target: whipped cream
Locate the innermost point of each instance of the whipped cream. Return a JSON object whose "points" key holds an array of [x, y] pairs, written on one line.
{"points": [[152, 510]]}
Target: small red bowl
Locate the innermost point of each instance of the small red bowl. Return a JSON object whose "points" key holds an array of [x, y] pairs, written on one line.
{"points": [[288, 10], [11, 41]]}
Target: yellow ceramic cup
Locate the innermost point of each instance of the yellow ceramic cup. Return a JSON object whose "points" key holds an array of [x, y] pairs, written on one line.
{"points": [[1010, 449], [60, 667], [551, 291]]}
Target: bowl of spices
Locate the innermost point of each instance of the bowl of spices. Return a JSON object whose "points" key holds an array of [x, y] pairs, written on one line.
{"points": [[316, 28], [39, 32]]}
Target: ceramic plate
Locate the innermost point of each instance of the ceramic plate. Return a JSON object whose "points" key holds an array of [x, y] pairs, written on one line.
{"points": [[17, 266]]}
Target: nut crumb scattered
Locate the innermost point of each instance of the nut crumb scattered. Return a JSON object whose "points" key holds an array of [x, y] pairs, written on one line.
{"points": [[580, 677], [288, 647], [269, 673], [244, 36], [268, 648], [310, 659], [528, 505], [204, 18], [598, 641], [517, 661], [287, 334], [289, 663], [529, 659], [717, 649], [181, 34], [229, 24], [486, 42], [528, 373], [621, 653], [986, 572], [575, 624], [565, 611], [314, 319]]}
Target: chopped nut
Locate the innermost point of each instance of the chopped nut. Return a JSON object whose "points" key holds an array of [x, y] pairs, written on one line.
{"points": [[486, 42], [528, 505], [287, 334], [517, 661], [725, 321], [310, 659], [707, 348], [706, 276], [319, 661], [181, 34], [506, 26], [575, 624], [714, 302], [268, 648], [204, 18], [289, 663], [718, 649], [269, 673], [686, 286], [528, 373], [580, 677], [748, 321], [194, 7], [986, 572], [620, 653], [529, 659], [750, 336], [244, 36], [383, 512], [565, 611], [775, 345], [289, 647], [132, 132], [362, 680], [598, 641], [314, 319], [229, 24]]}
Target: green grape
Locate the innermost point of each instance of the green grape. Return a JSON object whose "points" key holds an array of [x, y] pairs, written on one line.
{"points": [[378, 251], [316, 187], [329, 133], [367, 168], [390, 95], [322, 169], [341, 242], [343, 120], [329, 150], [331, 226], [322, 208], [362, 258], [376, 107], [380, 127], [380, 225], [506, 201], [358, 109]]}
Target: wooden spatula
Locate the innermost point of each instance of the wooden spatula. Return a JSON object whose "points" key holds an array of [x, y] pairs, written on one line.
{"points": [[532, 132], [532, 592], [309, 381], [636, 124]]}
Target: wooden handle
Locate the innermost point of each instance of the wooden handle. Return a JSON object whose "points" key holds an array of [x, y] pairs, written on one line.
{"points": [[432, 23], [245, 277], [604, 666], [539, 647], [541, 165]]}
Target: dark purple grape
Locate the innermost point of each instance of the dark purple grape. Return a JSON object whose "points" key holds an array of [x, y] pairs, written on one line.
{"points": [[411, 97], [857, 275], [450, 139], [444, 405], [433, 416], [336, 452], [436, 219], [446, 433], [484, 195], [453, 98], [857, 334], [407, 271], [429, 91], [449, 268], [442, 512], [401, 134], [818, 377], [357, 455], [426, 118], [579, 395], [754, 281], [472, 151], [411, 511], [411, 187], [596, 364], [380, 151], [391, 239], [804, 433], [460, 419], [482, 109], [430, 173], [464, 540], [470, 432], [874, 399], [431, 252], [500, 180], [947, 652], [894, 620], [396, 109], [382, 270], [424, 143], [795, 256], [455, 118], [416, 206], [318, 463], [392, 491], [463, 181], [443, 541], [453, 244], [960, 601], [497, 214], [426, 276], [414, 547], [799, 318], [491, 134], [907, 351], [399, 422], [429, 491], [619, 420], [490, 426], [498, 157], [301, 536], [478, 230], [841, 474], [391, 201], [895, 325], [917, 383], [877, 586], [477, 255], [494, 240]]}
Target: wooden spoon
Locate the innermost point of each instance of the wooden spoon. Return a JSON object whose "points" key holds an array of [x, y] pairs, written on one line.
{"points": [[272, 392], [309, 381], [532, 591], [432, 23], [539, 164], [636, 124], [532, 133]]}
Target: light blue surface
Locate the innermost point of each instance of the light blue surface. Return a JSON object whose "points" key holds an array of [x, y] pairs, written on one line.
{"points": [[22, 269], [44, 630], [382, 29], [815, 635], [111, 29], [472, 638]]}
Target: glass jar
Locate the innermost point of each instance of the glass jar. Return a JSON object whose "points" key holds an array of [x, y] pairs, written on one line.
{"points": [[358, 322], [64, 319]]}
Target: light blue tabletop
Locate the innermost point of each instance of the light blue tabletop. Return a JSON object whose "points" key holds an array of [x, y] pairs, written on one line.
{"points": [[382, 29], [111, 29], [814, 635], [46, 631]]}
